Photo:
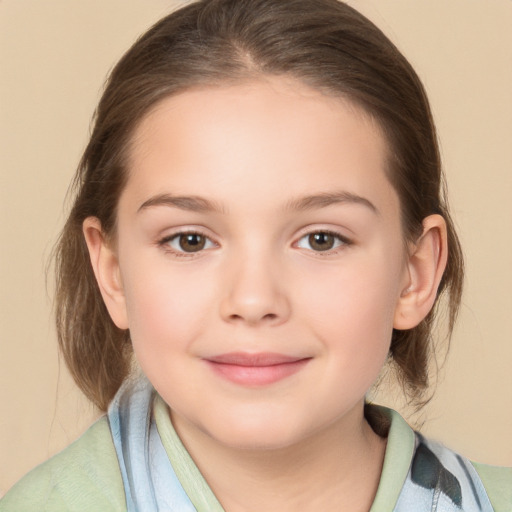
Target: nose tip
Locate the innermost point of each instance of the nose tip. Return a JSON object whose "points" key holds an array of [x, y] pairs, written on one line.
{"points": [[255, 297]]}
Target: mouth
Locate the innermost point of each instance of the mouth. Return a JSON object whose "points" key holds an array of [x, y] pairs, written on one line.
{"points": [[254, 370]]}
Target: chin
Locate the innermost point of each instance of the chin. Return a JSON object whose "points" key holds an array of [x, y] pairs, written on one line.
{"points": [[258, 435]]}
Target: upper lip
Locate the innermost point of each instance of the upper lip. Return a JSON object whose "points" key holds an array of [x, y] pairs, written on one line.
{"points": [[257, 359]]}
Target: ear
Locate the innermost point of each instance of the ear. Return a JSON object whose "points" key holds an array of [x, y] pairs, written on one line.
{"points": [[106, 269], [425, 266]]}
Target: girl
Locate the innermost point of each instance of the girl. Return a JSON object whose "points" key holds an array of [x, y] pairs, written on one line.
{"points": [[259, 225]]}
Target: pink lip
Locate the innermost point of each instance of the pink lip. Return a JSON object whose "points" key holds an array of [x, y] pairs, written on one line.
{"points": [[255, 369]]}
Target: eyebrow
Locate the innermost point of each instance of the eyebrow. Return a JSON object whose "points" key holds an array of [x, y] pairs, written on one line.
{"points": [[323, 200], [189, 203], [203, 205]]}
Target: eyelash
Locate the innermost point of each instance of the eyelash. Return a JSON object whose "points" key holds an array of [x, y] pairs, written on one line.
{"points": [[343, 241], [165, 243]]}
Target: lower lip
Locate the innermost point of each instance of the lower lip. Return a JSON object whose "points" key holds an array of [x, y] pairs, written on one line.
{"points": [[254, 376]]}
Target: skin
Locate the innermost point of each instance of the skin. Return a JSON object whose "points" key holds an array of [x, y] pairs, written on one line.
{"points": [[272, 162]]}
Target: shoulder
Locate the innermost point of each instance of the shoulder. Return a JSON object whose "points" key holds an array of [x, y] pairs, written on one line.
{"points": [[418, 470], [84, 476], [461, 481], [498, 484]]}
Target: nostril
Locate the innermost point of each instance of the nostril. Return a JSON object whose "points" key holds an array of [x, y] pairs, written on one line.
{"points": [[269, 317]]}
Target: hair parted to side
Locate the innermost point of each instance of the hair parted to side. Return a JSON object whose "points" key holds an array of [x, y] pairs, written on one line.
{"points": [[323, 43]]}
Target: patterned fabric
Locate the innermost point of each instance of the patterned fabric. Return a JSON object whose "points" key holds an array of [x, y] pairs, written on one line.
{"points": [[150, 482], [440, 480]]}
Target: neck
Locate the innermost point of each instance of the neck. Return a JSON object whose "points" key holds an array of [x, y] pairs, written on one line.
{"points": [[336, 469]]}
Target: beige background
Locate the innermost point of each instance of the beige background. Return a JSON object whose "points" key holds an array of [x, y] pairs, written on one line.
{"points": [[54, 55]]}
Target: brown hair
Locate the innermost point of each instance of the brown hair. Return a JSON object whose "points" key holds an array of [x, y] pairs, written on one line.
{"points": [[325, 44]]}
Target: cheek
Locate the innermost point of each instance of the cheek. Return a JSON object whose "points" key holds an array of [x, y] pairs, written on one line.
{"points": [[351, 308], [166, 309], [360, 288]]}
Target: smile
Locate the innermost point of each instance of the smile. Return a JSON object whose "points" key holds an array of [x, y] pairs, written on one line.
{"points": [[255, 369]]}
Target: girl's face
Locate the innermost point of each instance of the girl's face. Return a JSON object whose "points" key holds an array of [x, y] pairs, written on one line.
{"points": [[261, 260]]}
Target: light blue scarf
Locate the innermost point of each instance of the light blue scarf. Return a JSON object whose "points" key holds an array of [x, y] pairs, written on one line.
{"points": [[440, 480], [150, 482]]}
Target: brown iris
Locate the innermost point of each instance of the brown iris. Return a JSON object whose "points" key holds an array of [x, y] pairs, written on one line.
{"points": [[192, 242], [321, 241]]}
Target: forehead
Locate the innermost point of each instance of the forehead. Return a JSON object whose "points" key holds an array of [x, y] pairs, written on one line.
{"points": [[232, 138]]}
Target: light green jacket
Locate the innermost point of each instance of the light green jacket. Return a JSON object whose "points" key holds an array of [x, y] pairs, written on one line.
{"points": [[86, 476]]}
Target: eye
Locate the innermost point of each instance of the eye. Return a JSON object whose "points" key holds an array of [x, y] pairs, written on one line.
{"points": [[187, 242], [322, 241]]}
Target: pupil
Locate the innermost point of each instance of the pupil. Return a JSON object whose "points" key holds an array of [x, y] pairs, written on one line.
{"points": [[192, 242], [321, 241]]}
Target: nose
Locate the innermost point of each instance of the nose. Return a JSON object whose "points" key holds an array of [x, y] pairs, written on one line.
{"points": [[255, 293]]}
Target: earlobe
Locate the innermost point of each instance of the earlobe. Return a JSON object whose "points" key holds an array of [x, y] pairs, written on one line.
{"points": [[105, 265], [425, 267]]}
